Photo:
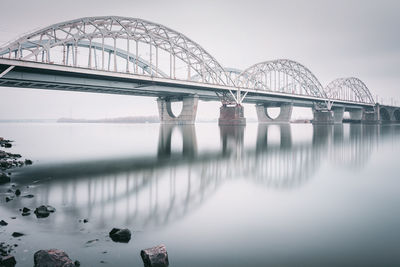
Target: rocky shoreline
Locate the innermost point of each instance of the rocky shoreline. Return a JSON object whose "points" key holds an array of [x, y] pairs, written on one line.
{"points": [[155, 256]]}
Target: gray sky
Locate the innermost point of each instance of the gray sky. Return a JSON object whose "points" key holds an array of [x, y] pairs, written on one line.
{"points": [[332, 38]]}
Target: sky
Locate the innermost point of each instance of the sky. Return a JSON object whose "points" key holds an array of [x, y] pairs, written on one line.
{"points": [[332, 38]]}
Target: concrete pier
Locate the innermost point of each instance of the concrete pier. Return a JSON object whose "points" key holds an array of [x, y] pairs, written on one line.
{"points": [[323, 116], [371, 116], [338, 113], [284, 115], [187, 116], [231, 115], [356, 115]]}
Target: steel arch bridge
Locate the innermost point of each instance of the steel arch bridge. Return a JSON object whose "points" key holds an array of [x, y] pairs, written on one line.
{"points": [[349, 89], [106, 43], [281, 75], [143, 48]]}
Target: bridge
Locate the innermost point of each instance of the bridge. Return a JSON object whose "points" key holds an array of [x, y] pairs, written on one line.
{"points": [[130, 56]]}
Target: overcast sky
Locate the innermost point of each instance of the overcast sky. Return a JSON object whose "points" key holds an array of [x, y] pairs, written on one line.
{"points": [[332, 38]]}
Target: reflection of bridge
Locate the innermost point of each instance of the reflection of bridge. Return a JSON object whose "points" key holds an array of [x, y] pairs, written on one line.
{"points": [[164, 187], [130, 56]]}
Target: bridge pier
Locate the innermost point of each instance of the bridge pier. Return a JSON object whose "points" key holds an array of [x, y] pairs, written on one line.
{"points": [[356, 115], [284, 115], [231, 115], [323, 116], [371, 116], [187, 116], [338, 113]]}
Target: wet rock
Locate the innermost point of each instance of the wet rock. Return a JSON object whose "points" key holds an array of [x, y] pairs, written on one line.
{"points": [[7, 261], [52, 258], [44, 211], [8, 199], [28, 162], [155, 257], [17, 234], [29, 196], [26, 211], [3, 223], [85, 220], [17, 192], [120, 235], [77, 263], [4, 178], [90, 242]]}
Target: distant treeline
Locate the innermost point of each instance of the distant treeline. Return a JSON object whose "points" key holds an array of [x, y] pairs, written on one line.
{"points": [[136, 119]]}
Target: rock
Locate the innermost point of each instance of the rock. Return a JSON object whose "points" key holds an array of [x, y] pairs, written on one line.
{"points": [[3, 223], [17, 234], [25, 209], [85, 220], [8, 261], [77, 263], [120, 235], [17, 192], [29, 196], [52, 258], [8, 199], [44, 211], [7, 145], [155, 256], [28, 162], [4, 178]]}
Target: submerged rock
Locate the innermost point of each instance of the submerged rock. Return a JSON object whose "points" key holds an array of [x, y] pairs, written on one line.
{"points": [[7, 261], [52, 258], [155, 257], [17, 234], [44, 211], [26, 211], [4, 178], [120, 235]]}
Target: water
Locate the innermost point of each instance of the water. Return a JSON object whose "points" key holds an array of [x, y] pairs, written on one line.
{"points": [[297, 195]]}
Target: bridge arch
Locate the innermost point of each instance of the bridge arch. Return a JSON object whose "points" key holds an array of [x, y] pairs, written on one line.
{"points": [[396, 115], [282, 75], [384, 114], [349, 89], [130, 43]]}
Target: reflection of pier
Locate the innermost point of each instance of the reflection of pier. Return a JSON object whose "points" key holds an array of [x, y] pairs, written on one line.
{"points": [[163, 188]]}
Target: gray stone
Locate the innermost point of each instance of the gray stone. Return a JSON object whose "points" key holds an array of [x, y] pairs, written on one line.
{"points": [[7, 261], [155, 257], [4, 178], [52, 258], [120, 235], [44, 211]]}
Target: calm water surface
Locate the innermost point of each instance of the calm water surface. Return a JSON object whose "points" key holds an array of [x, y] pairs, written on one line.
{"points": [[290, 195]]}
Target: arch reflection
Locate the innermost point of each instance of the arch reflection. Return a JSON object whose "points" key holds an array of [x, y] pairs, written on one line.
{"points": [[163, 188]]}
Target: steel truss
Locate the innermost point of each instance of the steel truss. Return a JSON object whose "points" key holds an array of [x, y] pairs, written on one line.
{"points": [[281, 75], [349, 89]]}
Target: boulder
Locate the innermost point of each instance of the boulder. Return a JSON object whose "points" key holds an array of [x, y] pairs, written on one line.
{"points": [[7, 261], [155, 257], [44, 211], [52, 258], [17, 234], [4, 178], [120, 235]]}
